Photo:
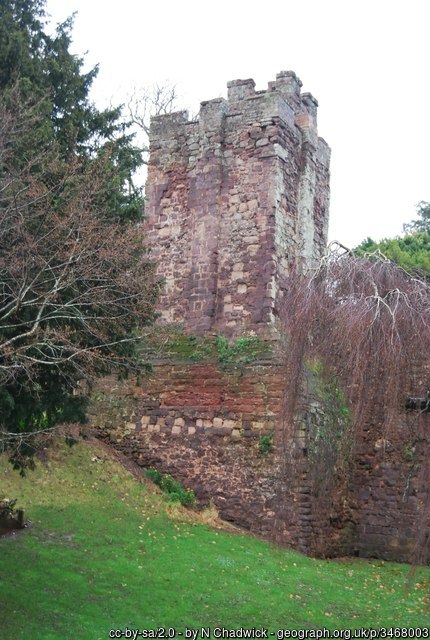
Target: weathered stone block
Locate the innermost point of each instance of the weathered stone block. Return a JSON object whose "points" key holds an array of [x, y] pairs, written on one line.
{"points": [[234, 202], [230, 424]]}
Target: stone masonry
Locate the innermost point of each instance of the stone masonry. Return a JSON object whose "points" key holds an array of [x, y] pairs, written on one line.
{"points": [[235, 200]]}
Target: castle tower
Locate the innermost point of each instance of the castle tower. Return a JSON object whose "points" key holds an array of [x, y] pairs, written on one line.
{"points": [[235, 200]]}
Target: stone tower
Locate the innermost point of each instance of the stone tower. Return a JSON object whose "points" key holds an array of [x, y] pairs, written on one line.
{"points": [[235, 200]]}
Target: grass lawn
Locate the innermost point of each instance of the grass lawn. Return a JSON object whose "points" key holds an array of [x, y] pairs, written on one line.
{"points": [[106, 552]]}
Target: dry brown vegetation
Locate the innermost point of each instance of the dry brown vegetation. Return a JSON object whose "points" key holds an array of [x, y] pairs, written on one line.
{"points": [[366, 322]]}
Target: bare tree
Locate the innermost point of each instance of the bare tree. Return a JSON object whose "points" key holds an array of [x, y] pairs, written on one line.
{"points": [[368, 312], [146, 102], [75, 287], [363, 325]]}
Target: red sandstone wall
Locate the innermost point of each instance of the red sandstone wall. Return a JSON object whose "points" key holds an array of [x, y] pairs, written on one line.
{"points": [[233, 201], [202, 423]]}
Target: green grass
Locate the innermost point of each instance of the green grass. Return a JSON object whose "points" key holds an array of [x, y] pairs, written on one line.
{"points": [[103, 553]]}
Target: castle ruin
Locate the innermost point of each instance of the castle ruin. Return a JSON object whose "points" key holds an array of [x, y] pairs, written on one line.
{"points": [[237, 200]]}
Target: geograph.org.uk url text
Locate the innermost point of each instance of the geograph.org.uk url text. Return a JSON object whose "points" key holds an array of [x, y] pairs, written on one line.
{"points": [[259, 633]]}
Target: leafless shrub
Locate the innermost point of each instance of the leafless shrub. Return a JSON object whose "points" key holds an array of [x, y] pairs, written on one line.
{"points": [[367, 322]]}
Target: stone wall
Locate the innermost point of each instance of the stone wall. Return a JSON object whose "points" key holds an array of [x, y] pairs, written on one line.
{"points": [[203, 423], [235, 200], [388, 492]]}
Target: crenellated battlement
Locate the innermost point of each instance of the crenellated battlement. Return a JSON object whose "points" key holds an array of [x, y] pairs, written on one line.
{"points": [[242, 97], [235, 200]]}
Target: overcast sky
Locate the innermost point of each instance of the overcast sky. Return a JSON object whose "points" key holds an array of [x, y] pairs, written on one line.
{"points": [[366, 62]]}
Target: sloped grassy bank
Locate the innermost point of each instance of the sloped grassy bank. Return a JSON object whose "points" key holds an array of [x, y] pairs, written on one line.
{"points": [[104, 551]]}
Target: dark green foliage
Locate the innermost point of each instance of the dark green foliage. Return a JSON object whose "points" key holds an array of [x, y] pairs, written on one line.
{"points": [[7, 508], [243, 350], [174, 342], [44, 69], [189, 346], [155, 475], [35, 407], [412, 252], [266, 444], [172, 487], [70, 440], [408, 453]]}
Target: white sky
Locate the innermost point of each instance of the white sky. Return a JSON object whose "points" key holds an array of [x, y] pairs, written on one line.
{"points": [[367, 63]]}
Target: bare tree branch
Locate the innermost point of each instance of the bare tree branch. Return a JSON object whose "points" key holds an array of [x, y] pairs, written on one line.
{"points": [[363, 323], [146, 102], [75, 286]]}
